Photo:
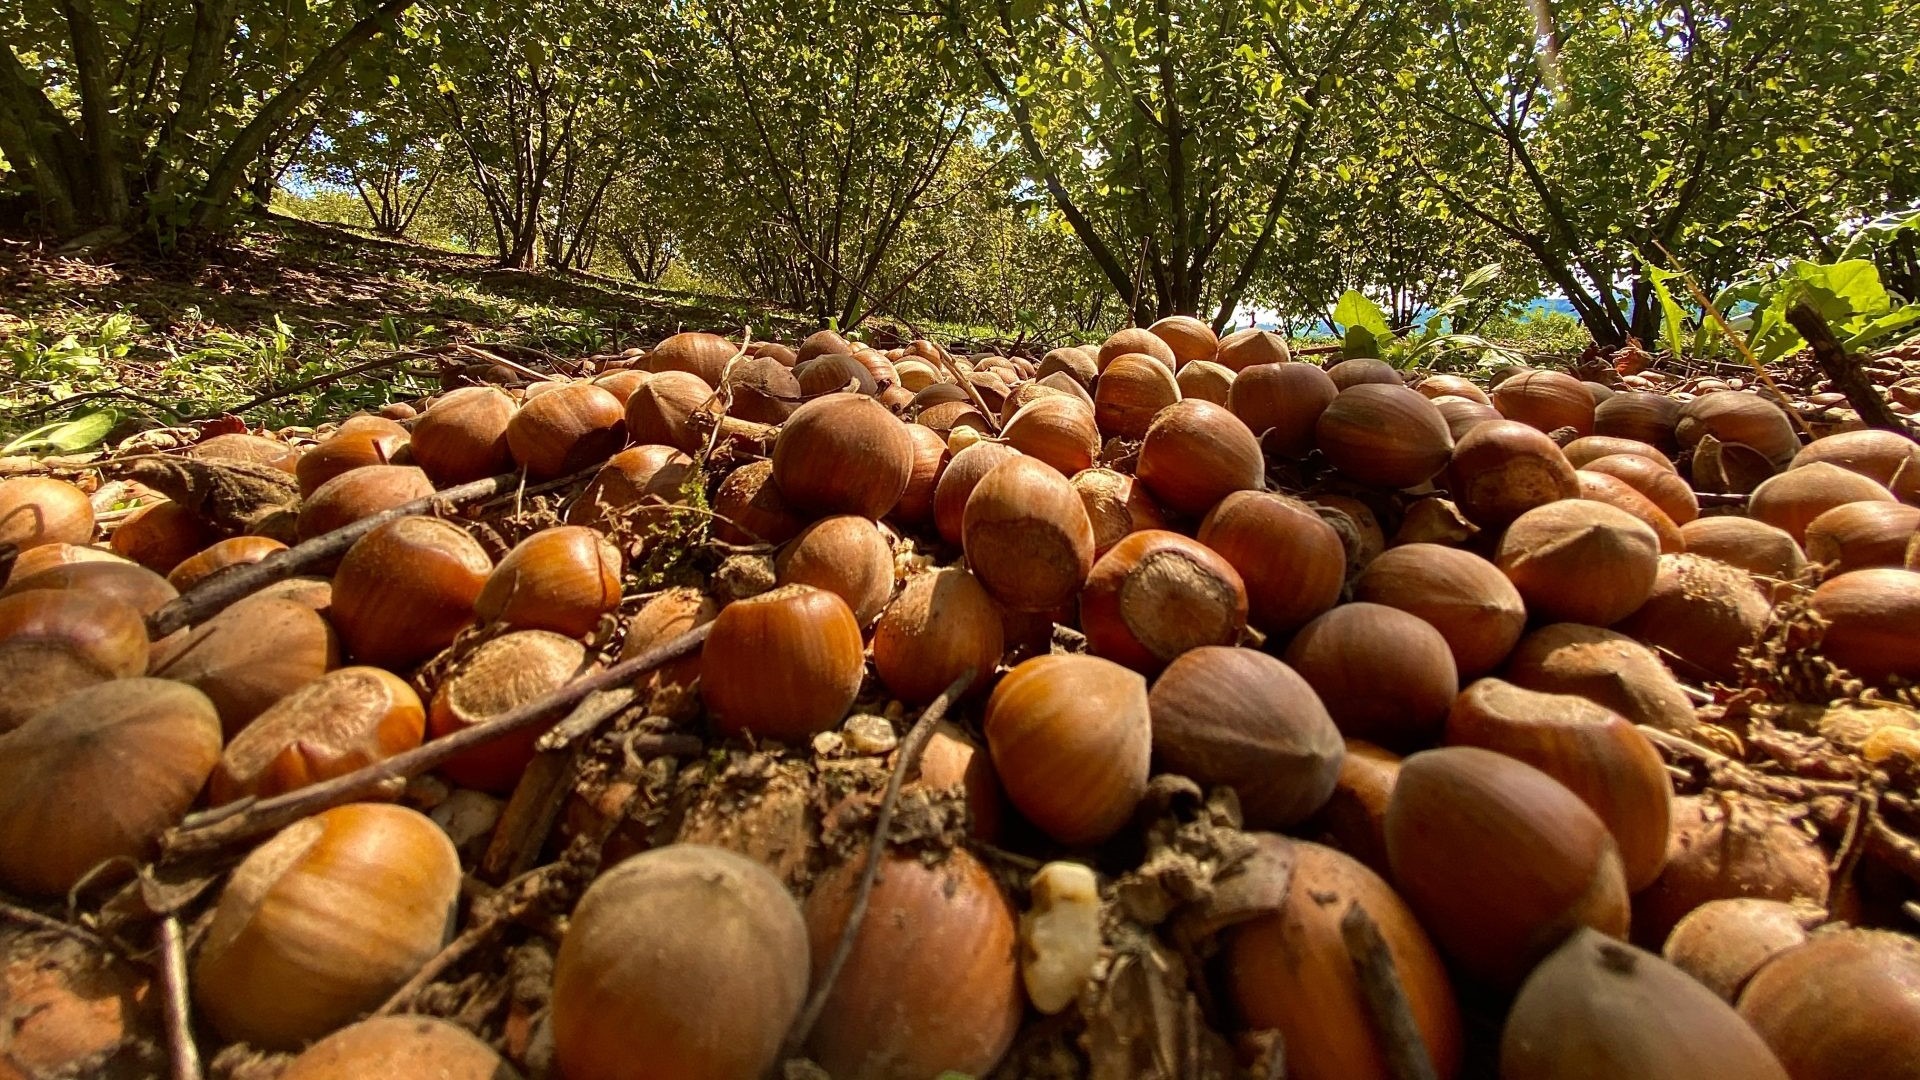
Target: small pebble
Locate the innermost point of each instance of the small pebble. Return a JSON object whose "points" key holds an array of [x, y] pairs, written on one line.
{"points": [[425, 792], [869, 734]]}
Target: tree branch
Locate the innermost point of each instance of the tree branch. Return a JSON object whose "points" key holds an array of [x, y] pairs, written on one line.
{"points": [[1083, 226], [1844, 371], [96, 109], [1283, 189], [213, 27], [225, 175]]}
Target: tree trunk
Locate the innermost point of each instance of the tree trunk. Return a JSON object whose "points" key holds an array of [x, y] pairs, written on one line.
{"points": [[1607, 333], [635, 268], [1645, 325], [265, 176], [523, 255], [1094, 308], [112, 203], [225, 175], [1186, 300], [1601, 320], [1843, 371], [52, 188], [37, 139], [1900, 267]]}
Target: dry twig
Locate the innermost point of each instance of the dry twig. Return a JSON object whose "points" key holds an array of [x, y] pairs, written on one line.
{"points": [[1406, 1052], [240, 821], [595, 709], [173, 982], [1843, 371], [34, 919], [223, 590], [530, 814], [910, 749], [321, 380], [1726, 772], [1738, 339], [973, 391], [492, 915], [492, 357]]}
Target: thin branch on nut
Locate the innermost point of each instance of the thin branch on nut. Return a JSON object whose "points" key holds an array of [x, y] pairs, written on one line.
{"points": [[37, 921], [173, 982], [972, 391], [1406, 1051], [221, 591], [915, 742], [212, 832]]}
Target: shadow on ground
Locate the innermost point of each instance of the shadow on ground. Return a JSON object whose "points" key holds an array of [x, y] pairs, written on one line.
{"points": [[325, 281]]}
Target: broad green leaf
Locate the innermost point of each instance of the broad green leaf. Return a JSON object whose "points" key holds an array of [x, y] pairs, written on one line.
{"points": [[1360, 342], [1842, 291], [1749, 291], [1672, 319], [67, 436], [1772, 336], [1479, 281], [1891, 323], [1487, 351], [1355, 310], [1879, 230]]}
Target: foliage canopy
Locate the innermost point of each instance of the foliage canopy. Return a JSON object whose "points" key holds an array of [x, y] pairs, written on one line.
{"points": [[1043, 166]]}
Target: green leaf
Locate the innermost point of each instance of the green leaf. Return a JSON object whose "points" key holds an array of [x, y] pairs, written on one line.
{"points": [[67, 436], [1841, 291], [1488, 352], [1748, 290], [1772, 336], [1672, 319], [1355, 310], [1897, 319], [1360, 343], [1883, 228], [1478, 281]]}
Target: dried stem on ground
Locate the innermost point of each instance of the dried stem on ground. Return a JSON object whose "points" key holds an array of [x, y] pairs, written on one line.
{"points": [[243, 820], [910, 749], [1844, 371], [1406, 1052], [224, 590], [980, 403], [184, 1052]]}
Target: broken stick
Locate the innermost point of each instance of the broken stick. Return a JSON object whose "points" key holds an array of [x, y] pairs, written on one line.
{"points": [[221, 591], [173, 982], [1404, 1049], [1843, 371], [215, 829], [910, 749]]}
